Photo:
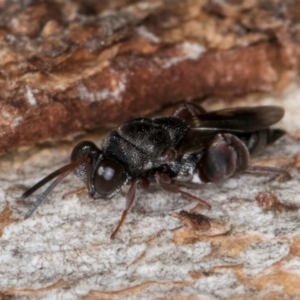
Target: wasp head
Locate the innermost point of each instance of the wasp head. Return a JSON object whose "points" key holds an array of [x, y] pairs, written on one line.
{"points": [[103, 176]]}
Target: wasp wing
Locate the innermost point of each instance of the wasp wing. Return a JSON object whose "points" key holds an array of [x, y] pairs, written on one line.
{"points": [[237, 121], [244, 119]]}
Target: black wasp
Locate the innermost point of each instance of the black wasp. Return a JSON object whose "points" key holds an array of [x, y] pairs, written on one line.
{"points": [[192, 145]]}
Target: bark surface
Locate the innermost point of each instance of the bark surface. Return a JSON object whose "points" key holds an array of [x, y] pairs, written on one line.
{"points": [[70, 66]]}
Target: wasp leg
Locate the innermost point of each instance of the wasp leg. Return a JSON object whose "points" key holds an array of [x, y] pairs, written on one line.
{"points": [[269, 170], [188, 112], [143, 182], [76, 192], [165, 182], [226, 156]]}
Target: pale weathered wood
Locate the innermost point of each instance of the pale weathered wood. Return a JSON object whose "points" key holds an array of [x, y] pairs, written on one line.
{"points": [[64, 250]]}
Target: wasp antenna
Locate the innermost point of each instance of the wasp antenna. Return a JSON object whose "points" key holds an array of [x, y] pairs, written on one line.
{"points": [[44, 195], [60, 174], [69, 167]]}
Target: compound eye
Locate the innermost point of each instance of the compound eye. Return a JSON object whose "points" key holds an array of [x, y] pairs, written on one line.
{"points": [[109, 178]]}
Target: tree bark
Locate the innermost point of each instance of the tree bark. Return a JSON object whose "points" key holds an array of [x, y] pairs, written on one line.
{"points": [[72, 66]]}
